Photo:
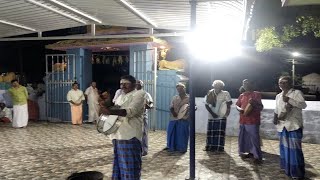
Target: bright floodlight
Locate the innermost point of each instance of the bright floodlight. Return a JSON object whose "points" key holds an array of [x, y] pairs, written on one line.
{"points": [[218, 39], [295, 54]]}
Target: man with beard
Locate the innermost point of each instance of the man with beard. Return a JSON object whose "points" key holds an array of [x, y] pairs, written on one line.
{"points": [[127, 139]]}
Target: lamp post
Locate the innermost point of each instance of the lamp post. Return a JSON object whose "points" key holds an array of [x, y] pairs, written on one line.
{"points": [[294, 54], [192, 166]]}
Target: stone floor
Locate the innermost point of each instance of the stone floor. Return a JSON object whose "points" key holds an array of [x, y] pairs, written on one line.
{"points": [[55, 150]]}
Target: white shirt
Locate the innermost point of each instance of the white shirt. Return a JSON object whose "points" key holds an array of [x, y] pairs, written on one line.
{"points": [[222, 96], [116, 95], [148, 99], [131, 126], [293, 119], [75, 95], [92, 94], [6, 112], [177, 103]]}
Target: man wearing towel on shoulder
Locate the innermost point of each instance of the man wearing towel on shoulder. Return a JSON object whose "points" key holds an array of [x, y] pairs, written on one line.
{"points": [[178, 128]]}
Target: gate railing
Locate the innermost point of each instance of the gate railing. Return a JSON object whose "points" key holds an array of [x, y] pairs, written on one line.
{"points": [[145, 69], [60, 74]]}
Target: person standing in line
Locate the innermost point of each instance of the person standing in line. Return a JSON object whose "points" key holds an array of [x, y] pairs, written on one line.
{"points": [[148, 105], [92, 97], [217, 99], [289, 124], [250, 106], [127, 139], [178, 128], [75, 97], [19, 95]]}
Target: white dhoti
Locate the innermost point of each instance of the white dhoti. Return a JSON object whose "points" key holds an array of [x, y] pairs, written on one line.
{"points": [[20, 115], [93, 111]]}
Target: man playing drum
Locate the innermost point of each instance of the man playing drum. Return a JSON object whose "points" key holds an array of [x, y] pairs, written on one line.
{"points": [[249, 105], [218, 104], [148, 105], [127, 138], [289, 123], [178, 128]]}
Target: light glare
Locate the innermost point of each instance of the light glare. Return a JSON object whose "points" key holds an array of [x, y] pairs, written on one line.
{"points": [[219, 39], [295, 54]]}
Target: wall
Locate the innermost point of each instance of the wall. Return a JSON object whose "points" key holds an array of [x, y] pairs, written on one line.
{"points": [[311, 120]]}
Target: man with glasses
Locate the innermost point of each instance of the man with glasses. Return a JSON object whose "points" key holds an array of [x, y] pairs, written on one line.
{"points": [[127, 139], [289, 124]]}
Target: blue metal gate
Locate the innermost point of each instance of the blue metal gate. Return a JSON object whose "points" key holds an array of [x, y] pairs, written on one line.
{"points": [[60, 74], [143, 67], [166, 89]]}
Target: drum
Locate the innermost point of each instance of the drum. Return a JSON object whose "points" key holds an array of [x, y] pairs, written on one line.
{"points": [[108, 124], [223, 109], [247, 110], [183, 111]]}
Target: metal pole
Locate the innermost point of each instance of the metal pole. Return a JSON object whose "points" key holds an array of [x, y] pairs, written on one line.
{"points": [[155, 89], [293, 72], [192, 166], [47, 87], [93, 30]]}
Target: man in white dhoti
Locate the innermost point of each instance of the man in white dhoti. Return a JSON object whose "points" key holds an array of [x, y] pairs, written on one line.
{"points": [[148, 105], [75, 97], [19, 97], [92, 97]]}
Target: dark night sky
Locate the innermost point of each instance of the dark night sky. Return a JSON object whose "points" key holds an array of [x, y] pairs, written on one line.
{"points": [[262, 67]]}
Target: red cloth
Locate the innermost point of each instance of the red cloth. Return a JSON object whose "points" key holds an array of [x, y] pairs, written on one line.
{"points": [[5, 120], [33, 110], [243, 101]]}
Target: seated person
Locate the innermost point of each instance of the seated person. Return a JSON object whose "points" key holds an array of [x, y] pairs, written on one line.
{"points": [[5, 113]]}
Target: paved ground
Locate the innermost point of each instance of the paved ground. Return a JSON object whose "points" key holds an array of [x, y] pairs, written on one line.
{"points": [[55, 150]]}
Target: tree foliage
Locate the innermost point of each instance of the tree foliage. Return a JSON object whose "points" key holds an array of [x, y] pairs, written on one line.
{"points": [[270, 37]]}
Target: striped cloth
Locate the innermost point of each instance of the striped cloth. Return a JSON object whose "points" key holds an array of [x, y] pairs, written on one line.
{"points": [[145, 134], [216, 134], [291, 155], [127, 159]]}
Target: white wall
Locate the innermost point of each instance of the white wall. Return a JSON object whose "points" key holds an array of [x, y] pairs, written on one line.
{"points": [[311, 117]]}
